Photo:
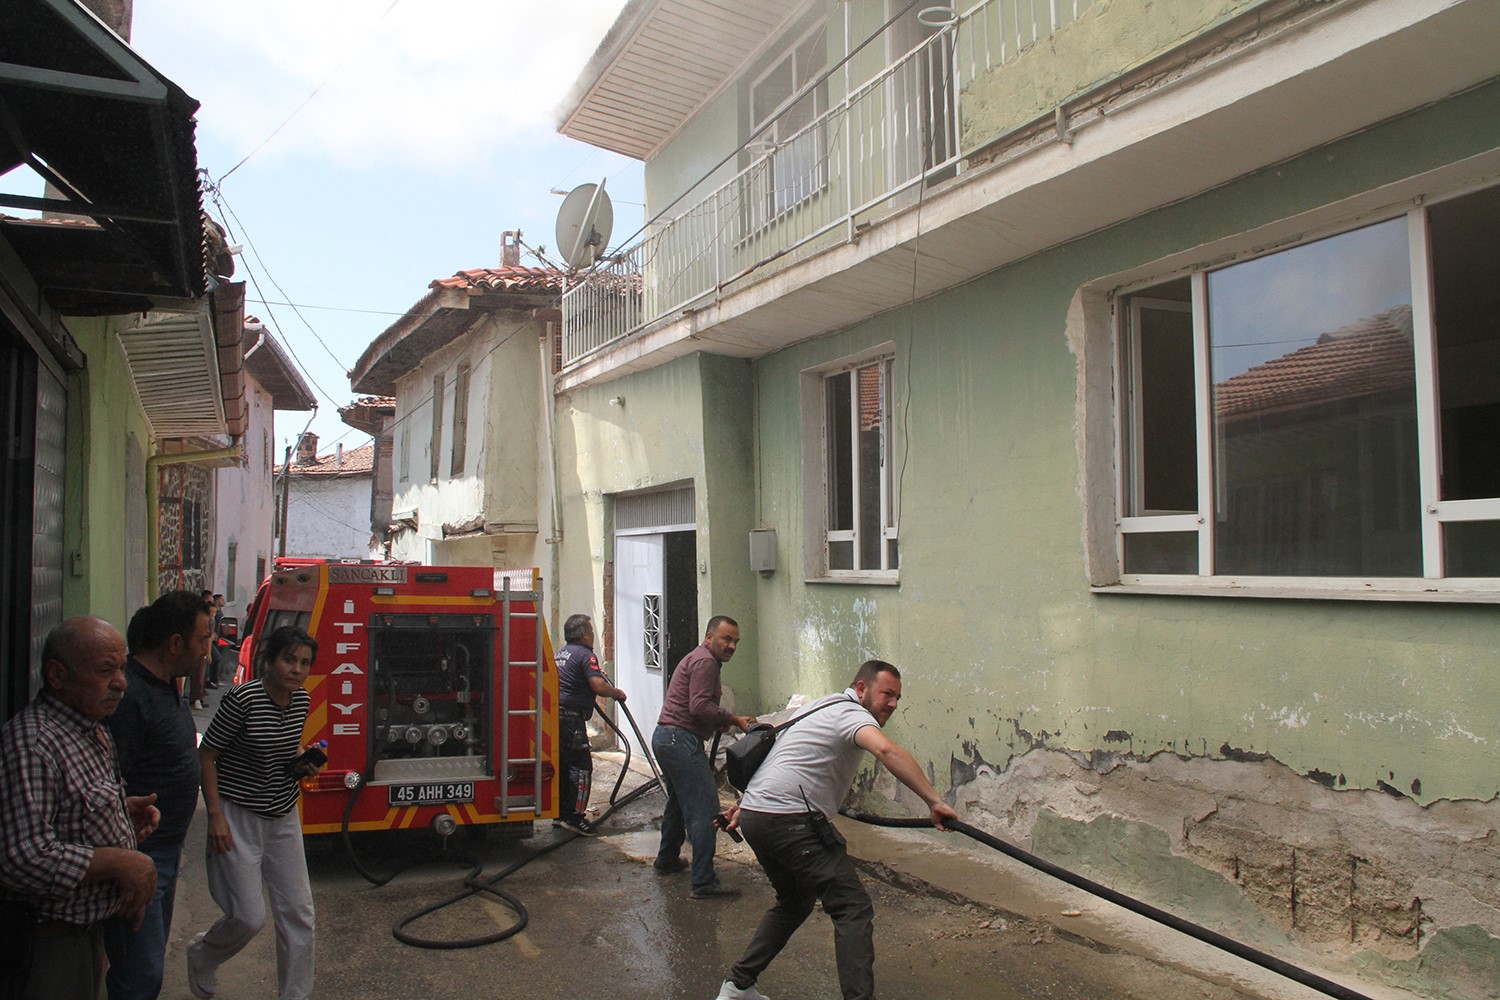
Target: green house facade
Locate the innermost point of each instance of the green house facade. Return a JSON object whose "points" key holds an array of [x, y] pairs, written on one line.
{"points": [[1128, 374]]}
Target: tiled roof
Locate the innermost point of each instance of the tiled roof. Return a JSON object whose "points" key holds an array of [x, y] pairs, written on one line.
{"points": [[357, 461], [506, 279], [1373, 355], [274, 369], [368, 413], [450, 309]]}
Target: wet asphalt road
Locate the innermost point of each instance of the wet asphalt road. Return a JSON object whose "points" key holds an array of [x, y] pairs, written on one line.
{"points": [[603, 924]]}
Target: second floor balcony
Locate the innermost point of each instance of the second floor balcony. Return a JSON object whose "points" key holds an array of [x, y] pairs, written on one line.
{"points": [[1009, 127]]}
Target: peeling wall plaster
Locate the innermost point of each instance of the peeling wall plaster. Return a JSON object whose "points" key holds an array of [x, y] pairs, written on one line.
{"points": [[1255, 850]]}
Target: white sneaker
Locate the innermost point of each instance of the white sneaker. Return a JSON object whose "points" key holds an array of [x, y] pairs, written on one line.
{"points": [[201, 985], [729, 991]]}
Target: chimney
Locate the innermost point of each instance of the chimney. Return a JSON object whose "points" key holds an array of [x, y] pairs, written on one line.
{"points": [[338, 454], [307, 449], [510, 248]]}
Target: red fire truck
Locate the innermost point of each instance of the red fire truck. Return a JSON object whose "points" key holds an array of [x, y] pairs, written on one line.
{"points": [[434, 687]]}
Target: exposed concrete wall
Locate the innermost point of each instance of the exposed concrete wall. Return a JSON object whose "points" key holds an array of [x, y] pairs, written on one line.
{"points": [[1324, 770], [1256, 851], [1108, 40]]}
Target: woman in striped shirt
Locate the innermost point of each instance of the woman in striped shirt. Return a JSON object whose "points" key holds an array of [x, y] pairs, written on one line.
{"points": [[254, 833]]}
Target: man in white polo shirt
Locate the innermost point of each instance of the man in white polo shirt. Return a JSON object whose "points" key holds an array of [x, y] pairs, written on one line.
{"points": [[784, 816]]}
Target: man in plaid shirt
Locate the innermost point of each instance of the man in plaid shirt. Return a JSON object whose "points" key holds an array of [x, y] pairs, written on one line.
{"points": [[67, 831]]}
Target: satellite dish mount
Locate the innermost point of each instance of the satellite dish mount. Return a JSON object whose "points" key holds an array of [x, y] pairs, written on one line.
{"points": [[584, 224]]}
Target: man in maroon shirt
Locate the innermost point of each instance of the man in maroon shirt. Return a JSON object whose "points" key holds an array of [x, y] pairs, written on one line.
{"points": [[691, 714]]}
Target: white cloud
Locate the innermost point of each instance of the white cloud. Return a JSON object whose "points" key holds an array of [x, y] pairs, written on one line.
{"points": [[426, 82]]}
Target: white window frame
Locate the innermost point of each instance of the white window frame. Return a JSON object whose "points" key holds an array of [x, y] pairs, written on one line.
{"points": [[815, 460], [768, 129], [1432, 585]]}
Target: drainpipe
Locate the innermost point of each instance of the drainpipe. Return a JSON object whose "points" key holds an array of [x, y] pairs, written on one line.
{"points": [[549, 404], [153, 501]]}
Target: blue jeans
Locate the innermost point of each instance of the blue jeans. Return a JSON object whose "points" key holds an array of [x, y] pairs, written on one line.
{"points": [[136, 958], [692, 800]]}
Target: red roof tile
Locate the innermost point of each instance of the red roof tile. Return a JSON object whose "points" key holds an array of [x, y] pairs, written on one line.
{"points": [[1372, 355], [505, 279], [357, 461]]}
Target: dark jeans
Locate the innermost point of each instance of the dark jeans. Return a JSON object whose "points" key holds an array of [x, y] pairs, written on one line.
{"points": [[136, 957], [803, 869], [692, 800], [577, 765]]}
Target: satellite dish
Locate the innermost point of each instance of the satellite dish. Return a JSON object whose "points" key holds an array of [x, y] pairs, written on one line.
{"points": [[583, 224]]}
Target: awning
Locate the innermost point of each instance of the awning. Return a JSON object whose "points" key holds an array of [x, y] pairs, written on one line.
{"points": [[115, 139], [660, 62], [171, 359]]}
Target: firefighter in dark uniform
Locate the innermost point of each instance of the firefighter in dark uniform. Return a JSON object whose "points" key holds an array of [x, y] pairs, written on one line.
{"points": [[579, 682]]}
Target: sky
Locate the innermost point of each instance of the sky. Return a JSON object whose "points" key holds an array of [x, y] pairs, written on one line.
{"points": [[1273, 305], [389, 144]]}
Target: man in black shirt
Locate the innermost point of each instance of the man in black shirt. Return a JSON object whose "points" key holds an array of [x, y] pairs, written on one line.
{"points": [[157, 743], [579, 681]]}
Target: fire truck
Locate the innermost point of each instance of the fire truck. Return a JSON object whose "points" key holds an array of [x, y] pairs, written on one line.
{"points": [[434, 687]]}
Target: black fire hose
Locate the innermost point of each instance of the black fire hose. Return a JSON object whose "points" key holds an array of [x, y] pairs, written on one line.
{"points": [[1192, 930], [474, 885], [645, 750]]}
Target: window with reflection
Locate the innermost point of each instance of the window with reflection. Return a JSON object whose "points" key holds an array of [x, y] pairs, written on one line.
{"points": [[859, 495], [1273, 412]]}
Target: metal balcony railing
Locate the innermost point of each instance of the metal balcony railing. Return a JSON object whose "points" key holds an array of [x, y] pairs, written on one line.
{"points": [[806, 188]]}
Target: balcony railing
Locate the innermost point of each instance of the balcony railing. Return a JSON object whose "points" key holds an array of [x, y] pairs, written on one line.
{"points": [[866, 155]]}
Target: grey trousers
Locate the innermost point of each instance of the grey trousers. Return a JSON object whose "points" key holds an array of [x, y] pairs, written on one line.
{"points": [[802, 869], [269, 851]]}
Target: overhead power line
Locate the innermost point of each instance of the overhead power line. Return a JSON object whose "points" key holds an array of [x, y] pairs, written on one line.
{"points": [[308, 99], [345, 309], [218, 198]]}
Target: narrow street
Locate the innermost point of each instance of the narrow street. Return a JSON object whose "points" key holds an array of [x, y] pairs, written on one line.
{"points": [[602, 923]]}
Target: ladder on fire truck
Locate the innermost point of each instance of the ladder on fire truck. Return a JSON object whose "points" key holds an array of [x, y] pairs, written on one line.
{"points": [[509, 614]]}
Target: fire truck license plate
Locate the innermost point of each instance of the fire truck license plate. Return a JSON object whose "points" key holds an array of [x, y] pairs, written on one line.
{"points": [[432, 795]]}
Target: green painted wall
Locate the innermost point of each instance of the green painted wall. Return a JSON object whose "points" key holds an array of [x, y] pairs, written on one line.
{"points": [[102, 413], [1109, 39], [1004, 646], [685, 421], [684, 163]]}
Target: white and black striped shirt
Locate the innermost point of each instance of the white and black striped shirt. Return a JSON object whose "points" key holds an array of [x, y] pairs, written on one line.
{"points": [[256, 738]]}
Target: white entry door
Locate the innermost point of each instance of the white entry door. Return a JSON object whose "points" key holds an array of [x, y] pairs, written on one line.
{"points": [[639, 642]]}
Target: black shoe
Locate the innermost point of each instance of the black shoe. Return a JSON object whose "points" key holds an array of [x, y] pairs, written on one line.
{"points": [[714, 890], [672, 868], [580, 826], [212, 685]]}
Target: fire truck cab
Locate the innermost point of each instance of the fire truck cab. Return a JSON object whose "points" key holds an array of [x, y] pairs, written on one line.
{"points": [[434, 687]]}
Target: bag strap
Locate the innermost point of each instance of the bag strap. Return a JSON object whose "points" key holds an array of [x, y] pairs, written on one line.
{"points": [[791, 722]]}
